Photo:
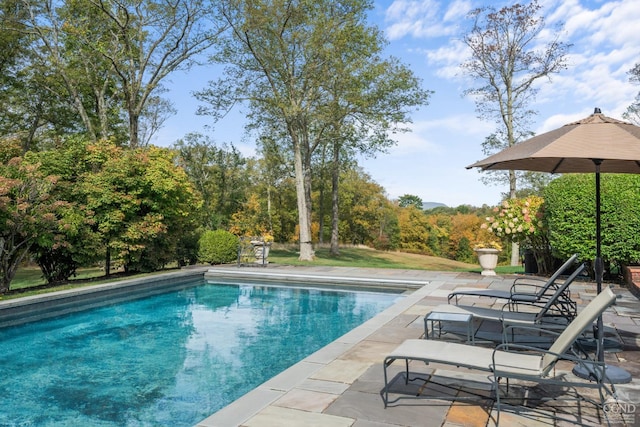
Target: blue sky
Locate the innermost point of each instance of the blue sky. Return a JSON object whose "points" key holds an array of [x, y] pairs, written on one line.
{"points": [[446, 136]]}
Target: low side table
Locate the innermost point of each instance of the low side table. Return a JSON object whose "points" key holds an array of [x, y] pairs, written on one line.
{"points": [[438, 318]]}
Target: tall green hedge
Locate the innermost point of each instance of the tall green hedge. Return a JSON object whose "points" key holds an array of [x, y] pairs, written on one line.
{"points": [[217, 247], [571, 216]]}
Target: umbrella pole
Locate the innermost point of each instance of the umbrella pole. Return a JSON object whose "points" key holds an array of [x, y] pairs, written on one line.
{"points": [[613, 374], [599, 265]]}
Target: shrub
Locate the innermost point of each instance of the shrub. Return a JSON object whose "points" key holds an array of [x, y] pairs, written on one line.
{"points": [[217, 247], [571, 216]]}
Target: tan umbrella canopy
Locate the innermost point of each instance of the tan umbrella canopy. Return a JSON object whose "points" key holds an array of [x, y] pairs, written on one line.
{"points": [[573, 149], [594, 144]]}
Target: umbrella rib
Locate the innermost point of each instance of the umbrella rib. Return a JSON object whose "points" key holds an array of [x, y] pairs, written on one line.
{"points": [[555, 168], [488, 167]]}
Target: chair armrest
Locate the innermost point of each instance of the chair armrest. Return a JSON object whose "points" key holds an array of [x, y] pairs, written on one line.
{"points": [[541, 329], [532, 288], [518, 280], [564, 356], [564, 305]]}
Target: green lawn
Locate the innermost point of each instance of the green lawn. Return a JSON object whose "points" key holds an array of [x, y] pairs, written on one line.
{"points": [[370, 258], [29, 281]]}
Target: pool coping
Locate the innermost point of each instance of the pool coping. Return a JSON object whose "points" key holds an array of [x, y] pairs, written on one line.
{"points": [[328, 280]]}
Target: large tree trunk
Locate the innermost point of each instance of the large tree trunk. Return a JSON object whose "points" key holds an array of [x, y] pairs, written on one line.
{"points": [[12, 253], [304, 214], [134, 122], [335, 218]]}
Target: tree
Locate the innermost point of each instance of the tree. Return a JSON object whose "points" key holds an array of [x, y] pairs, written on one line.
{"points": [[312, 74], [142, 202], [273, 179], [27, 213], [219, 173], [272, 67], [369, 217], [408, 200], [633, 111], [30, 110], [506, 59], [463, 232], [275, 52], [113, 55], [415, 231], [367, 98], [75, 243]]}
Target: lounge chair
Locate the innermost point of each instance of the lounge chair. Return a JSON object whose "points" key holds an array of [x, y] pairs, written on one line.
{"points": [[520, 291], [534, 365], [557, 311]]}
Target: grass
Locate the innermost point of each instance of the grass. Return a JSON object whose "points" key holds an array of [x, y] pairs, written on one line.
{"points": [[29, 281], [370, 258], [32, 276]]}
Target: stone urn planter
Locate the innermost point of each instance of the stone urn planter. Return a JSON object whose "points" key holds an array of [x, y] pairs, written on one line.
{"points": [[261, 251], [488, 258]]}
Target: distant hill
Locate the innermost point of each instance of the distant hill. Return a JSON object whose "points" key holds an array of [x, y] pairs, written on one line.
{"points": [[431, 205]]}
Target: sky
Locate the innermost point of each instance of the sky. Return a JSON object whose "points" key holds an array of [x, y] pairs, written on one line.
{"points": [[446, 135]]}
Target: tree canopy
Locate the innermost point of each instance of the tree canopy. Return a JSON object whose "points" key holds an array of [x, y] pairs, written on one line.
{"points": [[312, 74], [508, 55]]}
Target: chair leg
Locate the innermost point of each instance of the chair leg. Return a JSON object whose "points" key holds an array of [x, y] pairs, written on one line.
{"points": [[406, 371], [385, 365], [497, 381]]}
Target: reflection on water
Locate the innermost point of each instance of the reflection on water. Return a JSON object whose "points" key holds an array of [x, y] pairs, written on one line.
{"points": [[170, 359]]}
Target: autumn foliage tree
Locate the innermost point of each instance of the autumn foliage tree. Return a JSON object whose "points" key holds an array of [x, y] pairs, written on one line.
{"points": [[142, 203], [251, 220], [415, 230], [27, 213], [463, 236], [369, 217]]}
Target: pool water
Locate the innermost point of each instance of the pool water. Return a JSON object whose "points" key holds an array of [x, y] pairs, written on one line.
{"points": [[167, 360]]}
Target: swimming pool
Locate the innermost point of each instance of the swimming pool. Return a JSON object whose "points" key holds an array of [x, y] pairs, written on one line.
{"points": [[169, 359]]}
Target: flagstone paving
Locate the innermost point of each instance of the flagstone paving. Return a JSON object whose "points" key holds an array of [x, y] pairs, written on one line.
{"points": [[341, 384]]}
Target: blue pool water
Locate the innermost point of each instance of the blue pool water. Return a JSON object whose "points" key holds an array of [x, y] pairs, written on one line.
{"points": [[167, 360]]}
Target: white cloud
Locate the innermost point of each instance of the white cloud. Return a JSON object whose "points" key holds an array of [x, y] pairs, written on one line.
{"points": [[422, 18], [604, 51], [447, 58], [412, 142], [457, 9], [434, 136]]}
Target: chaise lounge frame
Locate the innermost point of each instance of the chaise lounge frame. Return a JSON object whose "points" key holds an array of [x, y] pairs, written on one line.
{"points": [[528, 363], [557, 312]]}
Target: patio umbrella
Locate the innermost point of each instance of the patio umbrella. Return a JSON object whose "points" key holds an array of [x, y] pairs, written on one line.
{"points": [[596, 144]]}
